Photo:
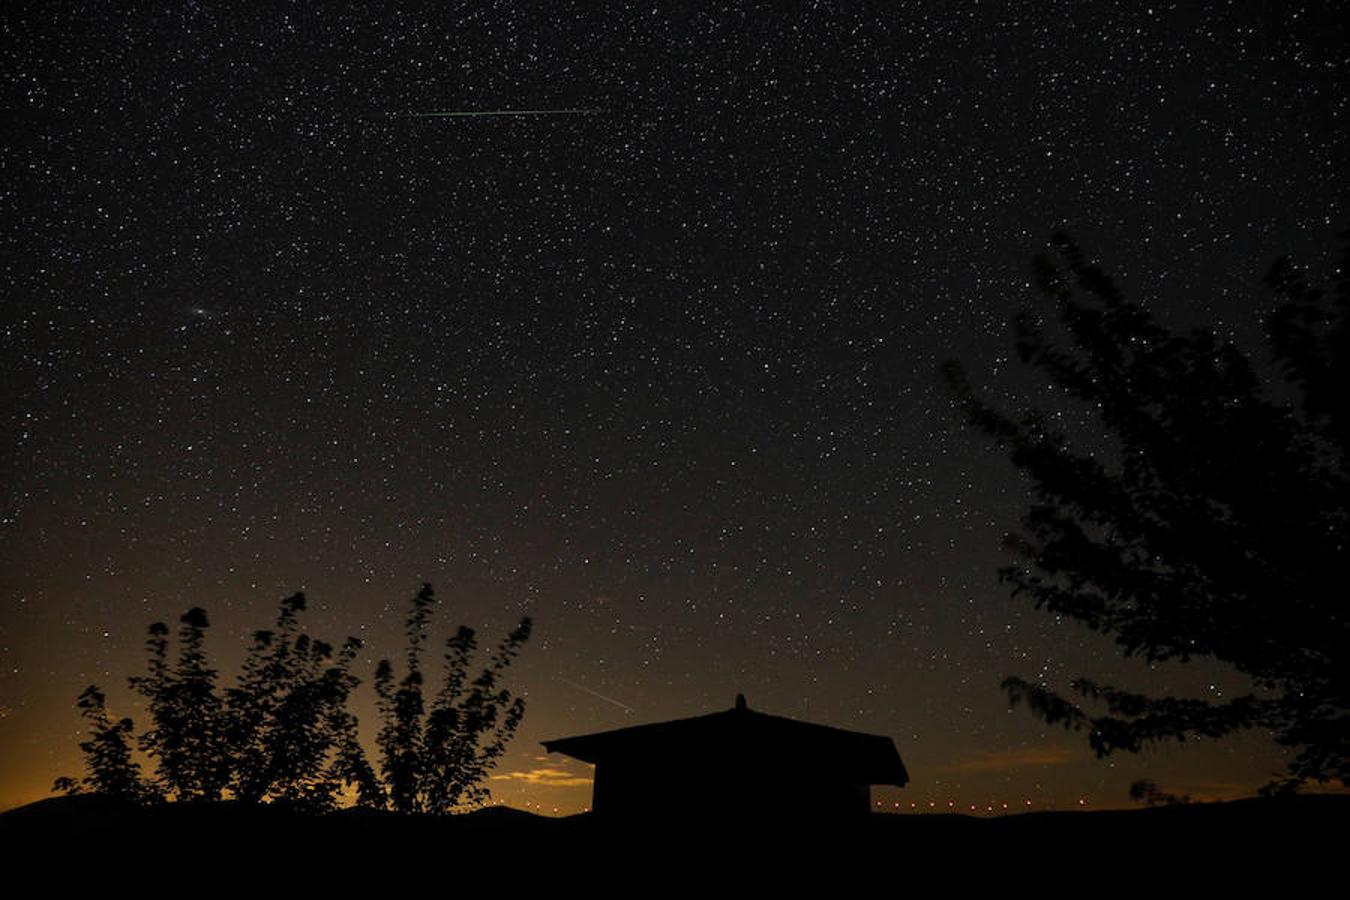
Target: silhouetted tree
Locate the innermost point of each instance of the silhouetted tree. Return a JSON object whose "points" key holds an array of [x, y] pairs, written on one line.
{"points": [[1220, 531], [251, 705], [287, 729], [110, 769], [401, 710], [350, 766], [282, 733], [438, 761], [467, 733], [187, 739]]}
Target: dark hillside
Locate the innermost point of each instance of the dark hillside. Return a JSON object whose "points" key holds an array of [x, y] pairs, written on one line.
{"points": [[1210, 840]]}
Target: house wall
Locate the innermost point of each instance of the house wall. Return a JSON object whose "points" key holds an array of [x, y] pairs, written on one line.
{"points": [[670, 788]]}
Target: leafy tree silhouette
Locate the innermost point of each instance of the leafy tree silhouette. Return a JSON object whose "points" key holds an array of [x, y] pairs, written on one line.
{"points": [[1222, 528], [111, 771], [288, 730], [187, 739], [282, 733], [435, 762]]}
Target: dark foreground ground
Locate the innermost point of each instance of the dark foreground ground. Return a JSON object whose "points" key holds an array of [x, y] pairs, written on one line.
{"points": [[1138, 851]]}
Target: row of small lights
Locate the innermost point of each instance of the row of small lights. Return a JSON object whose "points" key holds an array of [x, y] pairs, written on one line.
{"points": [[538, 807], [951, 805], [914, 807]]}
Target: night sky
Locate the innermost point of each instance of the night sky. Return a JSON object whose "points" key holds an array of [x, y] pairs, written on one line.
{"points": [[661, 372]]}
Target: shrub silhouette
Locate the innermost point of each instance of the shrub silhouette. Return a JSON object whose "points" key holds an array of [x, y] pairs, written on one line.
{"points": [[283, 732], [187, 740], [111, 771], [286, 724], [437, 761]]}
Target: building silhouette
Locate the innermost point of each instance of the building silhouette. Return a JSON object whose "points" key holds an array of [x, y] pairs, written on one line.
{"points": [[734, 765]]}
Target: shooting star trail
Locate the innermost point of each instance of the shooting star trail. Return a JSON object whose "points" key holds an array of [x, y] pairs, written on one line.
{"points": [[473, 114], [581, 687]]}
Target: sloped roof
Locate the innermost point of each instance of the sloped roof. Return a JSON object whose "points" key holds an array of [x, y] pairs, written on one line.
{"points": [[853, 756]]}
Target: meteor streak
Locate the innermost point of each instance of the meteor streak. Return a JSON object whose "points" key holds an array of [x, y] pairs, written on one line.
{"points": [[581, 687], [471, 114]]}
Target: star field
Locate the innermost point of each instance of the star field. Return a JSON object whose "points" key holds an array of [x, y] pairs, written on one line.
{"points": [[663, 376]]}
